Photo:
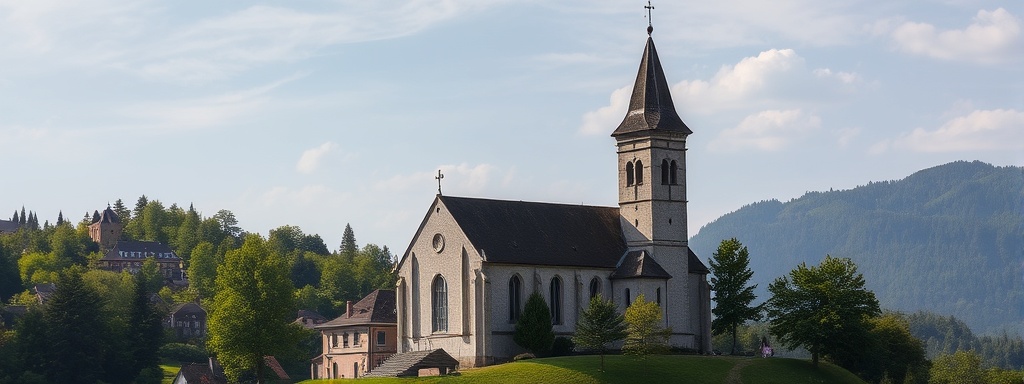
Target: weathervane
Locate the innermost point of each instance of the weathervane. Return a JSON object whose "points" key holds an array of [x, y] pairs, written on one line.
{"points": [[439, 177], [650, 27]]}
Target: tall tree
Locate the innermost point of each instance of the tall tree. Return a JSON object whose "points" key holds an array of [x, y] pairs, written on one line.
{"points": [[243, 328], [823, 308], [599, 325], [145, 330], [187, 235], [533, 330], [644, 333], [24, 218], [77, 331], [348, 246], [122, 212], [730, 269], [960, 367], [228, 223], [202, 270]]}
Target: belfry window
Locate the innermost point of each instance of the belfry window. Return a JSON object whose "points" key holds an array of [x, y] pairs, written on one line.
{"points": [[673, 169], [639, 172], [664, 172], [555, 301], [439, 303], [629, 173], [515, 298]]}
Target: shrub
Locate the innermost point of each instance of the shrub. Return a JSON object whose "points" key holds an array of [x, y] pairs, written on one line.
{"points": [[524, 356], [562, 346], [184, 353], [533, 330]]}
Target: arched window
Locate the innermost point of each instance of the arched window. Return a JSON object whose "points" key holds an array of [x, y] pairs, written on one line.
{"points": [[639, 172], [555, 300], [439, 301], [673, 169], [664, 172], [659, 296], [629, 173], [627, 297], [515, 298], [595, 287]]}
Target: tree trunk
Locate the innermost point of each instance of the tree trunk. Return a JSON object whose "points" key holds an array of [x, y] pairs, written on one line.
{"points": [[733, 341]]}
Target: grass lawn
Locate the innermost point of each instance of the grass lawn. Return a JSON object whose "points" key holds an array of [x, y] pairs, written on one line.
{"points": [[625, 369], [170, 369]]}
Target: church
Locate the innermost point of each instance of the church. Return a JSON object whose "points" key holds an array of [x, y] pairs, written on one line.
{"points": [[472, 262]]}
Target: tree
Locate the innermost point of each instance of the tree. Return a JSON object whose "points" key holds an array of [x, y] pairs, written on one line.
{"points": [[77, 331], [243, 327], [960, 367], [228, 223], [533, 330], [823, 309], [122, 212], [145, 331], [644, 334], [599, 325], [730, 267], [202, 270], [897, 353], [348, 246], [151, 275]]}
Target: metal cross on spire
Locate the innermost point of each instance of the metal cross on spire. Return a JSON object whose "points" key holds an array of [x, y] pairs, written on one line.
{"points": [[439, 177], [650, 27]]}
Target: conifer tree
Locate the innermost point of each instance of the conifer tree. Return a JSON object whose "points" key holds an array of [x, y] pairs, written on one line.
{"points": [[77, 331], [348, 247], [24, 217], [145, 330], [599, 325], [533, 330], [730, 269]]}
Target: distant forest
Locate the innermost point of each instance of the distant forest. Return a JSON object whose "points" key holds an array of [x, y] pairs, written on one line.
{"points": [[948, 240]]}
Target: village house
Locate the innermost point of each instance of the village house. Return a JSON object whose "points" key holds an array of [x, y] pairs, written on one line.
{"points": [[359, 340]]}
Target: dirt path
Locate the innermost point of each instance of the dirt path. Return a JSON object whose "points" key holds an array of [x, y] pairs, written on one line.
{"points": [[734, 374]]}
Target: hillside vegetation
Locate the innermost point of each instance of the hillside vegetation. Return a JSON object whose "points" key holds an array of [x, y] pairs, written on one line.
{"points": [[947, 239], [652, 370]]}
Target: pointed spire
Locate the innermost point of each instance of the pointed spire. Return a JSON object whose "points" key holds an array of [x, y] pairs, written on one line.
{"points": [[650, 106]]}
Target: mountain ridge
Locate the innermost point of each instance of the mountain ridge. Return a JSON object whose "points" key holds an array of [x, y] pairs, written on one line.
{"points": [[947, 239]]}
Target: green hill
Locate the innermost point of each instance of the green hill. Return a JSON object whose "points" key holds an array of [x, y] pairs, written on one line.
{"points": [[652, 370], [947, 239]]}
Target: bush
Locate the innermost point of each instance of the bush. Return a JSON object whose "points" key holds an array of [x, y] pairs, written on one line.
{"points": [[151, 375], [562, 346], [184, 353], [524, 356]]}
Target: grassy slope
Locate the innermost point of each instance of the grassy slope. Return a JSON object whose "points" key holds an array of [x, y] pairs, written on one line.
{"points": [[170, 370], [624, 369]]}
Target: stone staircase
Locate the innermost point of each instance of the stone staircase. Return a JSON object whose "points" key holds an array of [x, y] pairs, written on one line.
{"points": [[409, 363]]}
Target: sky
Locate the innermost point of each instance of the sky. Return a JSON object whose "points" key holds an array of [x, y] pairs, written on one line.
{"points": [[319, 114]]}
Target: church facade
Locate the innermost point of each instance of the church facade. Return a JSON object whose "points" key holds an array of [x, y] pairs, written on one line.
{"points": [[471, 264]]}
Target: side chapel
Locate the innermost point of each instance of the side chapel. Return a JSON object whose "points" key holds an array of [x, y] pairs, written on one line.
{"points": [[471, 264]]}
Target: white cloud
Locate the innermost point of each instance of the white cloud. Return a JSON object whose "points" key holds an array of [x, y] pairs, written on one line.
{"points": [[310, 158], [768, 131], [992, 37], [732, 83], [981, 130], [603, 120]]}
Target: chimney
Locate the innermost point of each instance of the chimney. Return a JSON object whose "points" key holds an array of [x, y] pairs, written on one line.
{"points": [[348, 308]]}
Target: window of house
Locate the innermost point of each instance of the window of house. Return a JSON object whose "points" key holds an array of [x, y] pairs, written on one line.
{"points": [[334, 340], [355, 338], [515, 298], [555, 300], [382, 338], [595, 287], [439, 301], [344, 340]]}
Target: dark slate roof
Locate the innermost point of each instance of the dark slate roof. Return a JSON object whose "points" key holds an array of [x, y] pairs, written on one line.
{"points": [[409, 363], [376, 308], [7, 226], [650, 106], [639, 264], [694, 265], [44, 291], [140, 250], [519, 232], [108, 216]]}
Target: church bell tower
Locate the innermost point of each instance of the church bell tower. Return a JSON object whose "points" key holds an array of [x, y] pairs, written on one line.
{"points": [[651, 143]]}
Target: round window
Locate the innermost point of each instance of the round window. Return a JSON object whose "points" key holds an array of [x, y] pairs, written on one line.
{"points": [[438, 243]]}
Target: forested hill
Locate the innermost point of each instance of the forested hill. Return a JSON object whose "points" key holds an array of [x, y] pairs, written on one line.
{"points": [[947, 239]]}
